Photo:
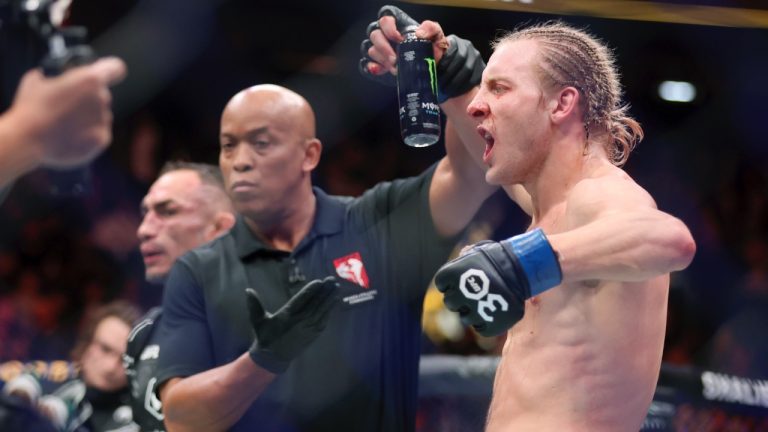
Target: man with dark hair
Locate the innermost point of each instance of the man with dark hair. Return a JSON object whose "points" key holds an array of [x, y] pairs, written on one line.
{"points": [[583, 294], [185, 207]]}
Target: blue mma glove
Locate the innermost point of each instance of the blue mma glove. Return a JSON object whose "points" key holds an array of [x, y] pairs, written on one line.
{"points": [[488, 285]]}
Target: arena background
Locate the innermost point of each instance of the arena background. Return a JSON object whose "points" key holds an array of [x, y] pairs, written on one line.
{"points": [[703, 161]]}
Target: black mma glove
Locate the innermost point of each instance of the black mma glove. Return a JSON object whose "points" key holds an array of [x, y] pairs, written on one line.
{"points": [[403, 22], [460, 68], [282, 335], [490, 283]]}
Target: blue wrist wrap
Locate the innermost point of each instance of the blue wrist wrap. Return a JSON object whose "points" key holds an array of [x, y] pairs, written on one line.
{"points": [[537, 259]]}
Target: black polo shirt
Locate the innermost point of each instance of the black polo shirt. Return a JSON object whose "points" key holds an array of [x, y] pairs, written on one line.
{"points": [[361, 373]]}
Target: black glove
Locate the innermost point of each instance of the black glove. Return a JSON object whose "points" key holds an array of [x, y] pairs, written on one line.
{"points": [[403, 23], [460, 68], [282, 335], [490, 283]]}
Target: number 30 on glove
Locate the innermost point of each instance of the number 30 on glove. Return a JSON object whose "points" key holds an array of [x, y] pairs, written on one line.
{"points": [[488, 285]]}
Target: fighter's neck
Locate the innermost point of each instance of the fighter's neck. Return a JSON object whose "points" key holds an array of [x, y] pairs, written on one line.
{"points": [[560, 173]]}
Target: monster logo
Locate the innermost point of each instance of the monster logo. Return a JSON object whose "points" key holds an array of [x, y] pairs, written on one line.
{"points": [[431, 65]]}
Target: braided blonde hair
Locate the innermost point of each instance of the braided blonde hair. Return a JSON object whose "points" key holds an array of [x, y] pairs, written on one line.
{"points": [[572, 57]]}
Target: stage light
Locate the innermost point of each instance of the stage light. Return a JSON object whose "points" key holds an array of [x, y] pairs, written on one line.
{"points": [[677, 91]]}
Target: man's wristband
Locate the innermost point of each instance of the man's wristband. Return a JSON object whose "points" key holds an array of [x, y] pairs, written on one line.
{"points": [[537, 259]]}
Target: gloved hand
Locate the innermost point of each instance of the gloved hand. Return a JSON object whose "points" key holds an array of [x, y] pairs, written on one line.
{"points": [[459, 69], [489, 284], [282, 335]]}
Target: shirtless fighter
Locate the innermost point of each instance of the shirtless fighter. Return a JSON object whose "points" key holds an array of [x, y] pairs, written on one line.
{"points": [[583, 293]]}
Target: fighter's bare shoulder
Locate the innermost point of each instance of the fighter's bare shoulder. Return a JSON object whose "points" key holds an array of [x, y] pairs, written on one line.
{"points": [[610, 190]]}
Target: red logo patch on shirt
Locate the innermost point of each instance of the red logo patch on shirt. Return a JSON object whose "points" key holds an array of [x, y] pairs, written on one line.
{"points": [[351, 268]]}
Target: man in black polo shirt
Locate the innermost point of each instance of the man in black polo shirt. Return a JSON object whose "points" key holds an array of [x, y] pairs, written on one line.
{"points": [[360, 372]]}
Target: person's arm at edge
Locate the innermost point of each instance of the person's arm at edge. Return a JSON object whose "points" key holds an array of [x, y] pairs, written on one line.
{"points": [[17, 157], [33, 133], [213, 400]]}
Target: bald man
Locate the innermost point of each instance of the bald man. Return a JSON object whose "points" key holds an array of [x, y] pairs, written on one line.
{"points": [[323, 358], [184, 208]]}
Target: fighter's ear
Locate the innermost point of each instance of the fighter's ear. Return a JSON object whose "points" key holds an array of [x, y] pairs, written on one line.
{"points": [[312, 150], [223, 221], [565, 103]]}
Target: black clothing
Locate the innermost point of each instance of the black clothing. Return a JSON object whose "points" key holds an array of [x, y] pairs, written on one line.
{"points": [[361, 373], [140, 363]]}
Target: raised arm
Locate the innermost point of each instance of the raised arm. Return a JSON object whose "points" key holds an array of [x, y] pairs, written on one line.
{"points": [[458, 187]]}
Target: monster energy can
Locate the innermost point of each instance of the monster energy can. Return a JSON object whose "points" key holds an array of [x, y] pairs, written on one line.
{"points": [[417, 92]]}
